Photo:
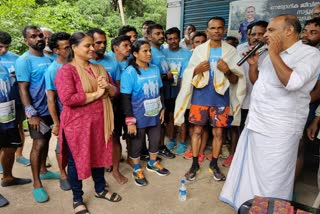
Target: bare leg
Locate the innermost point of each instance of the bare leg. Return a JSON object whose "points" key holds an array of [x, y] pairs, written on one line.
{"points": [[204, 139], [183, 132], [196, 140], [116, 157], [170, 126], [234, 138], [37, 154], [7, 161], [217, 141], [20, 149]]}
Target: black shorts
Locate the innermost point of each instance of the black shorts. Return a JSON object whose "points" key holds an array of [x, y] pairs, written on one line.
{"points": [[20, 114], [10, 138], [34, 134]]}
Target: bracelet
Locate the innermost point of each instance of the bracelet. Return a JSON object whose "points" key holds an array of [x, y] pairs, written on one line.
{"points": [[228, 73], [30, 111], [131, 121]]}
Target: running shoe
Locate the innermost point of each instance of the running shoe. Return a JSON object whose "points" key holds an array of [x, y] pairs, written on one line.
{"points": [[201, 158], [171, 145], [165, 152], [191, 174], [157, 168], [188, 155], [217, 174], [139, 178], [182, 148], [227, 162]]}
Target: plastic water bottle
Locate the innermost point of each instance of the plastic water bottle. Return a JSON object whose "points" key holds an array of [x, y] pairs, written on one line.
{"points": [[183, 191]]}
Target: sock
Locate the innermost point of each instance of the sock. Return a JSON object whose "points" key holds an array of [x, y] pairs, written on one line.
{"points": [[195, 161], [151, 162], [136, 166], [214, 163]]}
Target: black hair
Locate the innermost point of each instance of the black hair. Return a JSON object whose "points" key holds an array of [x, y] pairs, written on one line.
{"points": [[148, 22], [125, 29], [154, 26], [197, 34], [194, 27], [216, 18], [261, 23], [135, 47], [234, 40], [315, 21], [249, 27], [293, 21], [26, 28], [75, 39], [56, 37], [5, 38], [92, 31], [117, 41], [172, 31]]}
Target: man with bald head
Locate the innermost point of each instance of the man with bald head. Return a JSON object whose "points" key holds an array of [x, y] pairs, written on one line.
{"points": [[264, 162]]}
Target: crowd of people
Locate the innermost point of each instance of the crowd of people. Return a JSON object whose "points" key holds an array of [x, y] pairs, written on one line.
{"points": [[143, 91]]}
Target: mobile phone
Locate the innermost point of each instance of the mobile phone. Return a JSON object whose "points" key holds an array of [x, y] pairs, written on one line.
{"points": [[44, 128]]}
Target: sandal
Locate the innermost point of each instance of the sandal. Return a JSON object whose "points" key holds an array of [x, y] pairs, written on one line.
{"points": [[115, 197], [80, 211]]}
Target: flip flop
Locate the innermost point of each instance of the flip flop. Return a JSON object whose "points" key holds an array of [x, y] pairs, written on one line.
{"points": [[40, 195], [16, 181], [3, 201], [49, 175], [115, 197], [64, 184]]}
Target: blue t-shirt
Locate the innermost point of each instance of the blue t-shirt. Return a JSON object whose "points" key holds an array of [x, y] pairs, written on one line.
{"points": [[110, 65], [52, 57], [7, 97], [31, 68], [50, 76], [159, 59], [8, 60], [207, 96], [177, 61], [145, 94], [123, 65]]}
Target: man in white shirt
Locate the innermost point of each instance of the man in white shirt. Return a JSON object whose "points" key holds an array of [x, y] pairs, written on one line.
{"points": [[264, 162]]}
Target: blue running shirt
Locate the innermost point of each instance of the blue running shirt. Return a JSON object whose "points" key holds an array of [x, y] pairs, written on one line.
{"points": [[31, 68], [111, 65], [177, 61], [145, 91], [50, 76], [208, 96]]}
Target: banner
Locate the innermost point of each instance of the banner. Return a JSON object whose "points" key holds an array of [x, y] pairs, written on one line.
{"points": [[244, 12]]}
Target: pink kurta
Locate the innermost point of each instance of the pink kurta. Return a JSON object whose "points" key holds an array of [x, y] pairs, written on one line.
{"points": [[82, 124]]}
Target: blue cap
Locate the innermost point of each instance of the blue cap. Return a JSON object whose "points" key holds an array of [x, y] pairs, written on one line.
{"points": [[183, 181]]}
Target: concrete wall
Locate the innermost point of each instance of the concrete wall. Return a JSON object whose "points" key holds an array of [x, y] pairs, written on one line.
{"points": [[174, 13]]}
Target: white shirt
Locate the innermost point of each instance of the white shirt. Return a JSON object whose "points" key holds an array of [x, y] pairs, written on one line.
{"points": [[276, 109], [241, 49]]}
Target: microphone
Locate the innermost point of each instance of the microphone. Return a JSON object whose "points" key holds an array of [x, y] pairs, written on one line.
{"points": [[255, 48]]}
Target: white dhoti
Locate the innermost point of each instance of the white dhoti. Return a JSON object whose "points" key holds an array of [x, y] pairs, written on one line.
{"points": [[262, 166]]}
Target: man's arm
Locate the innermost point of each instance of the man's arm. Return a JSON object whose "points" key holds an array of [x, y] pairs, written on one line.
{"points": [[282, 70], [51, 98], [34, 120], [315, 93]]}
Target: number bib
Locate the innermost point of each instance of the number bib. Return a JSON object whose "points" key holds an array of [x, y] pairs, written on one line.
{"points": [[7, 112], [152, 107]]}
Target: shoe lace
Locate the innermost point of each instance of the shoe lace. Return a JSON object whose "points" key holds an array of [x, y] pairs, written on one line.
{"points": [[140, 173], [158, 165]]}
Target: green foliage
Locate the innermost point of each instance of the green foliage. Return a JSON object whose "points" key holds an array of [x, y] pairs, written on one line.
{"points": [[76, 15]]}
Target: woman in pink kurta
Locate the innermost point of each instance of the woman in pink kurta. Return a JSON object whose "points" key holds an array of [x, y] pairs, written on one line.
{"points": [[86, 120]]}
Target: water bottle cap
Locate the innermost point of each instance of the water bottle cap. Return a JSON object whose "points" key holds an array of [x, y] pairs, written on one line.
{"points": [[183, 181]]}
